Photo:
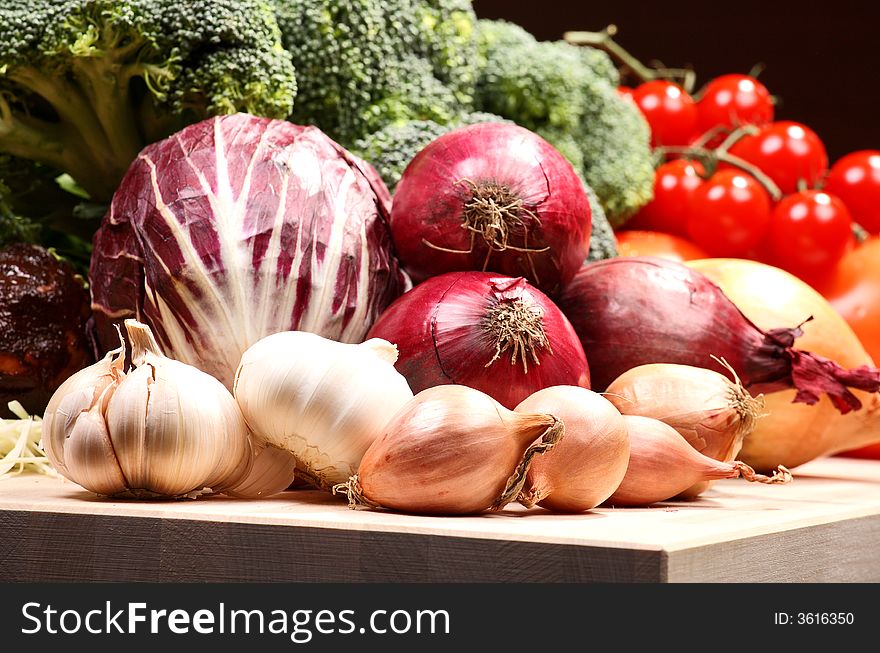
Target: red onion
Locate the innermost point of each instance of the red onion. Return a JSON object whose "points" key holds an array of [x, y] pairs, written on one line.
{"points": [[496, 334], [492, 196], [632, 311]]}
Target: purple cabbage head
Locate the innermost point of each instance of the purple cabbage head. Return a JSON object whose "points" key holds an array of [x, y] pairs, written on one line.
{"points": [[238, 227]]}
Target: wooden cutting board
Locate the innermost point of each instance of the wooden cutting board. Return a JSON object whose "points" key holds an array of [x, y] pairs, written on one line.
{"points": [[824, 526]]}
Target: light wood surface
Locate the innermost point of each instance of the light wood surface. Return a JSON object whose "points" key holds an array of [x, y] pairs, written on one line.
{"points": [[824, 526]]}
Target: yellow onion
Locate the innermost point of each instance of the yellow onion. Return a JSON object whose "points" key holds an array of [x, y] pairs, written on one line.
{"points": [[792, 434]]}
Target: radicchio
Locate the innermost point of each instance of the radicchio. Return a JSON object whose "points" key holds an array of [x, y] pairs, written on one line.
{"points": [[238, 227]]}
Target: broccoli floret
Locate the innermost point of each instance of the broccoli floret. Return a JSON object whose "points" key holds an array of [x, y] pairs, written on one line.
{"points": [[603, 244], [391, 148], [567, 94], [616, 144], [362, 64], [85, 84], [537, 84]]}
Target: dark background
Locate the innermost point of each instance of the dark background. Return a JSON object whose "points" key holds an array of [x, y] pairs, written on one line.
{"points": [[822, 60]]}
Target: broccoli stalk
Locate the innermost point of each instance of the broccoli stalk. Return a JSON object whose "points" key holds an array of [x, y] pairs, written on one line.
{"points": [[85, 84]]}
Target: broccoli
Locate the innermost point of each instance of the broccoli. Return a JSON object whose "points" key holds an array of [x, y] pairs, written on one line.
{"points": [[85, 84], [392, 148], [603, 244], [537, 84], [364, 64], [615, 140], [567, 94]]}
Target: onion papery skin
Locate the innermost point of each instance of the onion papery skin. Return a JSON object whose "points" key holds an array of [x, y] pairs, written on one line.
{"points": [[633, 311], [792, 434], [503, 164], [452, 451], [440, 333], [589, 463]]}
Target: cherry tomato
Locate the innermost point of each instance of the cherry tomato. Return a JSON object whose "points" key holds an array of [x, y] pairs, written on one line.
{"points": [[655, 243], [625, 92], [729, 214], [809, 233], [787, 152], [669, 110], [674, 185], [854, 290], [855, 179], [732, 101]]}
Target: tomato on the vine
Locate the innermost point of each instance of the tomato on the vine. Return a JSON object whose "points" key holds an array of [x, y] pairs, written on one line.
{"points": [[855, 179], [674, 185], [728, 214], [788, 152], [670, 111], [734, 100], [655, 243], [809, 233]]}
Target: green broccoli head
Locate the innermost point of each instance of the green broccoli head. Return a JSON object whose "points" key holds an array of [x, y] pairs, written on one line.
{"points": [[539, 85], [85, 84], [616, 144], [603, 243], [567, 94], [362, 64]]}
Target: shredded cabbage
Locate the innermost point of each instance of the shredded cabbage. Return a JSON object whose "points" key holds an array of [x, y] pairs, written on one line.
{"points": [[20, 448]]}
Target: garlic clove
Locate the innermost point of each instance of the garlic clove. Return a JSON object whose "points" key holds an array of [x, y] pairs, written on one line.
{"points": [[272, 472], [90, 457], [78, 394], [381, 348]]}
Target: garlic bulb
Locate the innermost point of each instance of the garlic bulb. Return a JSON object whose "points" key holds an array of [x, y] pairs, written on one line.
{"points": [[164, 429], [321, 400]]}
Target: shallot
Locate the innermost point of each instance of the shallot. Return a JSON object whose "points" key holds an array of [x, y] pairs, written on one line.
{"points": [[451, 450], [662, 465], [588, 465]]}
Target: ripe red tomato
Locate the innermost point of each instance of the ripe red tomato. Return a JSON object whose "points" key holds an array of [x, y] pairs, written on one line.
{"points": [[809, 233], [855, 179], [734, 100], [669, 110], [729, 214], [854, 290], [674, 185], [787, 152], [654, 243]]}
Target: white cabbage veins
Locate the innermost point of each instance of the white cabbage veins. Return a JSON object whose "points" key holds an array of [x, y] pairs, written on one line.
{"points": [[239, 227]]}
